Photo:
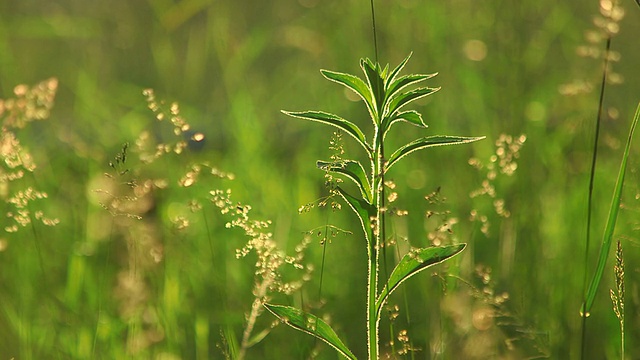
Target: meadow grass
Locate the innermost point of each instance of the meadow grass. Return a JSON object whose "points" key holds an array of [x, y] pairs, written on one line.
{"points": [[139, 263]]}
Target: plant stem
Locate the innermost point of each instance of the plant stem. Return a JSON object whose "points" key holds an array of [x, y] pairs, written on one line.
{"points": [[375, 38], [378, 196], [372, 321], [260, 292], [590, 197]]}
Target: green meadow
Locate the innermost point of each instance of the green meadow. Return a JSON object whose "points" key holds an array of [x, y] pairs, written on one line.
{"points": [[154, 196]]}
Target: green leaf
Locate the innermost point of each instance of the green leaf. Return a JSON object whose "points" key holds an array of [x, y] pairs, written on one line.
{"points": [[405, 81], [394, 84], [383, 73], [426, 142], [353, 170], [333, 120], [376, 84], [611, 222], [412, 263], [411, 116], [364, 211], [311, 325], [355, 84], [396, 71], [398, 101]]}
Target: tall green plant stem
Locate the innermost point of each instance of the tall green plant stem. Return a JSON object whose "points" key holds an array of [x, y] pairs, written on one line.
{"points": [[376, 243], [377, 181], [372, 319]]}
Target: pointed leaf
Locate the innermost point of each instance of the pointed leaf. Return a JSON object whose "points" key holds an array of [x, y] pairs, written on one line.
{"points": [[383, 73], [376, 84], [311, 325], [354, 171], [412, 263], [355, 84], [426, 142], [392, 76], [403, 82], [411, 116], [364, 211], [333, 120], [399, 100], [611, 222]]}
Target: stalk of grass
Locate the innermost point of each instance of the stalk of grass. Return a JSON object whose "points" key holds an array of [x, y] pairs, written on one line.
{"points": [[592, 173], [609, 27], [101, 279], [610, 226]]}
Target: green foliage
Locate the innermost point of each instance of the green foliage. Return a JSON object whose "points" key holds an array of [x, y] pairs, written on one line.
{"points": [[354, 171], [611, 222], [428, 142], [507, 70], [414, 262], [310, 324], [384, 94]]}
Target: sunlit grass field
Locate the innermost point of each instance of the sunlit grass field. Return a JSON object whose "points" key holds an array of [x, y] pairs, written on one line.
{"points": [[148, 177]]}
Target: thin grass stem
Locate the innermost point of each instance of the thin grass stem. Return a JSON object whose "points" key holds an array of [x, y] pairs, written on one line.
{"points": [[208, 230], [590, 194], [375, 37], [99, 291]]}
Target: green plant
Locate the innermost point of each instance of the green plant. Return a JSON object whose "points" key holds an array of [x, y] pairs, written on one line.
{"points": [[617, 297], [607, 27], [268, 267], [385, 94]]}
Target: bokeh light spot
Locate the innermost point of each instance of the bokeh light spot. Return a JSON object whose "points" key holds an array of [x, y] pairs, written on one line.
{"points": [[475, 50]]}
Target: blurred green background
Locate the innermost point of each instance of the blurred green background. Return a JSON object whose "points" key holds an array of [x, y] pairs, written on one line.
{"points": [[506, 69]]}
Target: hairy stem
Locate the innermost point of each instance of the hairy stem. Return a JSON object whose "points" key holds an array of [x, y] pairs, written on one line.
{"points": [[374, 247], [372, 321]]}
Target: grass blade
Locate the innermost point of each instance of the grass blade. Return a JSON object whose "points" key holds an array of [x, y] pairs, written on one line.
{"points": [[611, 223], [311, 325]]}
